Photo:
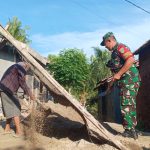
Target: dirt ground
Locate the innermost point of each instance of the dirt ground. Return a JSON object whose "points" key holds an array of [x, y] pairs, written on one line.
{"points": [[61, 128]]}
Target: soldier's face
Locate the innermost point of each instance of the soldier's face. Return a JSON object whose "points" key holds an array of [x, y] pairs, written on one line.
{"points": [[109, 44]]}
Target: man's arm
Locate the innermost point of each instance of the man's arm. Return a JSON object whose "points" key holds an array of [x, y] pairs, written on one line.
{"points": [[125, 68], [24, 86], [127, 55]]}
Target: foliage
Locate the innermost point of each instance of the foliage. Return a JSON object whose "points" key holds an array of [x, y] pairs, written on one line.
{"points": [[16, 30], [98, 72], [71, 69], [79, 76], [92, 106], [52, 58], [98, 69]]}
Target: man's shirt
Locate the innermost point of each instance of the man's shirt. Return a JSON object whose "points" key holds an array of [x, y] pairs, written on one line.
{"points": [[121, 53], [13, 78]]}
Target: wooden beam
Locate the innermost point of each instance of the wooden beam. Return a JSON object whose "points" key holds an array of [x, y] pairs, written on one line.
{"points": [[36, 55], [95, 128], [6, 27], [2, 40]]}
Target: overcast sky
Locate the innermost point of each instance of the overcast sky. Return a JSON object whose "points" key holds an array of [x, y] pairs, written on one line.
{"points": [[58, 24]]}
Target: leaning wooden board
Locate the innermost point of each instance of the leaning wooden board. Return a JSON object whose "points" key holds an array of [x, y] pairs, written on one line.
{"points": [[94, 127]]}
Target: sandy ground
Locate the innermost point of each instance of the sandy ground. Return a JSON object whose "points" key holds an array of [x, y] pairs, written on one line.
{"points": [[63, 129]]}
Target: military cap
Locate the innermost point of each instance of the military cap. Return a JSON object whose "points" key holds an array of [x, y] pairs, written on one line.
{"points": [[106, 36]]}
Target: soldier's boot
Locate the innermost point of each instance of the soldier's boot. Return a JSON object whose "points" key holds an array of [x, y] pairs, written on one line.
{"points": [[134, 133], [130, 133]]}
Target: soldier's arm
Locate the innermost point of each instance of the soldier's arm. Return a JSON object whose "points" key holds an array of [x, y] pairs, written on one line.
{"points": [[127, 55], [126, 67]]}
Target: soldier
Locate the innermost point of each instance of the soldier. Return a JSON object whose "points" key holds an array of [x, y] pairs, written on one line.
{"points": [[127, 76]]}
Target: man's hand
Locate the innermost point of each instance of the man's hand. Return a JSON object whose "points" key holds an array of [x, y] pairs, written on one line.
{"points": [[32, 97], [124, 69], [116, 77]]}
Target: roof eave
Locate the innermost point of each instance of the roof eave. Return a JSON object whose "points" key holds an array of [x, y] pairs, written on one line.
{"points": [[142, 47]]}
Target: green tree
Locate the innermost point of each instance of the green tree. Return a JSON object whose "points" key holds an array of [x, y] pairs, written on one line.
{"points": [[71, 69], [98, 72], [98, 67], [52, 58], [16, 30]]}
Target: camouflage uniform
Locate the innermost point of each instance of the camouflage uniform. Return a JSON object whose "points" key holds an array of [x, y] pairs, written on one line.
{"points": [[129, 84]]}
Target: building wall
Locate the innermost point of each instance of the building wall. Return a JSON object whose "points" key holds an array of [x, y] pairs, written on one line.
{"points": [[109, 106], [7, 58], [143, 98]]}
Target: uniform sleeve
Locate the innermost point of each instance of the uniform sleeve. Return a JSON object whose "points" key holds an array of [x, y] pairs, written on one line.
{"points": [[124, 52], [23, 84]]}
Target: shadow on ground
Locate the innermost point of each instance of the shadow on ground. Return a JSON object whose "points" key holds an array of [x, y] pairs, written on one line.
{"points": [[110, 129]]}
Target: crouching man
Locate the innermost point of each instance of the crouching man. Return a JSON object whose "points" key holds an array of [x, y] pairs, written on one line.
{"points": [[12, 80]]}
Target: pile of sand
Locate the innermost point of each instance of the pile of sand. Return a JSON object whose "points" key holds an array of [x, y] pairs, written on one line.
{"points": [[62, 128]]}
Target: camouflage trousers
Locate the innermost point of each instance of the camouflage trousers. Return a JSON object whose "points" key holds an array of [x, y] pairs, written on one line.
{"points": [[128, 95]]}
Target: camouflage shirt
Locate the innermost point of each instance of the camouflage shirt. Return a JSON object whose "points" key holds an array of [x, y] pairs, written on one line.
{"points": [[120, 54]]}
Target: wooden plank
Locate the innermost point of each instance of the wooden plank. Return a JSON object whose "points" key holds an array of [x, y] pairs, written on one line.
{"points": [[36, 55], [95, 128], [2, 40], [6, 27]]}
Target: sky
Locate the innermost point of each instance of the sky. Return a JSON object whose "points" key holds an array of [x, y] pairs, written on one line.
{"points": [[60, 24]]}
